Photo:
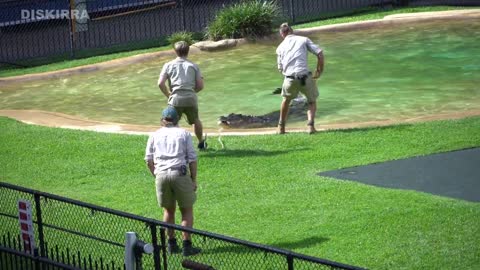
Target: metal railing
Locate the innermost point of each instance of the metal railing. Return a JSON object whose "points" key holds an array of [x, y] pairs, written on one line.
{"points": [[59, 29], [69, 234]]}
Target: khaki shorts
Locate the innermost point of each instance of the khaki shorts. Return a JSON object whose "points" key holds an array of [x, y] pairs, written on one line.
{"points": [[291, 88], [185, 102], [190, 112], [173, 187]]}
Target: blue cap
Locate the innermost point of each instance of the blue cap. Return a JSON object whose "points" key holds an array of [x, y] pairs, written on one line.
{"points": [[170, 114]]}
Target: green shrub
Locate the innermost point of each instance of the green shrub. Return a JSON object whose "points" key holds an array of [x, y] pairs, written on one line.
{"points": [[181, 36], [248, 19]]}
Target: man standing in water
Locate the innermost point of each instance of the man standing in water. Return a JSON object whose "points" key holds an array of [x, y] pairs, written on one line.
{"points": [[185, 81], [292, 55]]}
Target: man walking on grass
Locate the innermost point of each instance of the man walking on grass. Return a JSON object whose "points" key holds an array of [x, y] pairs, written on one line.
{"points": [[170, 157], [292, 55], [185, 81]]}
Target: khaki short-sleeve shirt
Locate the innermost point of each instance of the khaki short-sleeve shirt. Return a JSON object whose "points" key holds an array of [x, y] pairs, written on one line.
{"points": [[292, 55], [181, 73], [170, 147]]}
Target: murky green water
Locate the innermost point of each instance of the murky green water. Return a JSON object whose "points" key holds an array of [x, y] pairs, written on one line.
{"points": [[394, 72]]}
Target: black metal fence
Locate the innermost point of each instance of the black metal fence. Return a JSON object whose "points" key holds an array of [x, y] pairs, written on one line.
{"points": [[69, 234], [51, 29]]}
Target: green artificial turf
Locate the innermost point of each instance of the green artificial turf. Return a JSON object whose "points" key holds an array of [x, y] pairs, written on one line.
{"points": [[264, 189]]}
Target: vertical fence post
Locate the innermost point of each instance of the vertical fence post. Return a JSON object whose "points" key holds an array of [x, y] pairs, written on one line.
{"points": [[130, 260], [290, 262], [163, 239], [156, 249], [38, 211], [72, 22], [292, 12], [184, 21], [134, 250]]}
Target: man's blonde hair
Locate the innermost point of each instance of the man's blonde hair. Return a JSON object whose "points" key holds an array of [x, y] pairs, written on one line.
{"points": [[285, 29], [181, 48]]}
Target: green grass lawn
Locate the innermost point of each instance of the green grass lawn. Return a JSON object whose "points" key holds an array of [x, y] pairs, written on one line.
{"points": [[361, 15], [264, 189]]}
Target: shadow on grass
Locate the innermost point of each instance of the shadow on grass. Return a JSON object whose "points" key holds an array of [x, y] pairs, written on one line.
{"points": [[234, 153], [305, 243], [240, 249]]}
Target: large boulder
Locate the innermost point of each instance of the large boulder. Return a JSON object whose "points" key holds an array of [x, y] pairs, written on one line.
{"points": [[209, 45]]}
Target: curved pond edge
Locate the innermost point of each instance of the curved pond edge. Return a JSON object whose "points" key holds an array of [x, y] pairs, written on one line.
{"points": [[59, 120]]}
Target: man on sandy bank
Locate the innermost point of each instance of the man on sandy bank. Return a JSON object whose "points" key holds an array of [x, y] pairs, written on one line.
{"points": [[185, 81], [292, 55]]}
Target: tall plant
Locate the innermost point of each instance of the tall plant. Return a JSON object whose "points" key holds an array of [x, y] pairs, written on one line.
{"points": [[181, 36], [247, 19]]}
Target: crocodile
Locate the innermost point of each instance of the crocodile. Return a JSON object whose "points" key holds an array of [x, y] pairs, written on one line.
{"points": [[298, 107]]}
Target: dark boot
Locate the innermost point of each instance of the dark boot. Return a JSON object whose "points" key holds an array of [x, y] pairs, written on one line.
{"points": [[281, 128], [202, 145], [311, 127], [188, 249], [173, 247]]}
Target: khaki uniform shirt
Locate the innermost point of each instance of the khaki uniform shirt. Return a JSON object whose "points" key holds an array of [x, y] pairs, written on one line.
{"points": [[292, 55], [170, 147], [182, 76]]}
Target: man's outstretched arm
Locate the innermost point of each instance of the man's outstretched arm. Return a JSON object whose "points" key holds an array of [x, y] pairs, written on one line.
{"points": [[320, 65]]}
